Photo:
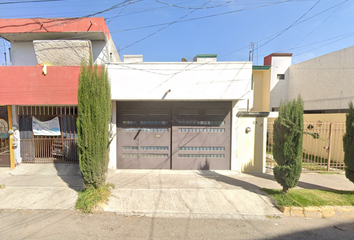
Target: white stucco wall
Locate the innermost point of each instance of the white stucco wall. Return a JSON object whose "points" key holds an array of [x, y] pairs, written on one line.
{"points": [[113, 146], [190, 81], [186, 80], [279, 88], [325, 82], [22, 54]]}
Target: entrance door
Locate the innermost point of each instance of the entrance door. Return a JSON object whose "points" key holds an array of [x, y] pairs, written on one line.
{"points": [[144, 135], [4, 138], [201, 135]]}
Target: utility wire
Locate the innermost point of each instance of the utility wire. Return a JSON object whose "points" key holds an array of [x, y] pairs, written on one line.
{"points": [[320, 24], [151, 34], [177, 6], [281, 32], [203, 17], [119, 12], [31, 1]]}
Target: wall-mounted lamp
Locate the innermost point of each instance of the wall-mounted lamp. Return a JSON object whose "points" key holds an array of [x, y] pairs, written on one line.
{"points": [[247, 130]]}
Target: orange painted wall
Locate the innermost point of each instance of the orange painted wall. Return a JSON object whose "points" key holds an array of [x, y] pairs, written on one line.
{"points": [[25, 85], [34, 25]]}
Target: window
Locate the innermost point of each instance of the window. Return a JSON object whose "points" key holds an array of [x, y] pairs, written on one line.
{"points": [[280, 76]]}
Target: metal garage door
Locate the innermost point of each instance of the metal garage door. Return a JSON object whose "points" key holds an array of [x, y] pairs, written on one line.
{"points": [[166, 135], [201, 135], [144, 135]]}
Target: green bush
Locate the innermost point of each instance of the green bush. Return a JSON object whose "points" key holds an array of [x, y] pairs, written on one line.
{"points": [[348, 144], [287, 149], [94, 106]]}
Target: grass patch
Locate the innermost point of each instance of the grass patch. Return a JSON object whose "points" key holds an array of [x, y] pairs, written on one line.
{"points": [[2, 186], [90, 198], [311, 198]]}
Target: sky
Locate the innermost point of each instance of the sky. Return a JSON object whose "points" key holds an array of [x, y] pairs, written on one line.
{"points": [[169, 30]]}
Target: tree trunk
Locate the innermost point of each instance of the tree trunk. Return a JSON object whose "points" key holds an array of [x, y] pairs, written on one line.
{"points": [[285, 189]]}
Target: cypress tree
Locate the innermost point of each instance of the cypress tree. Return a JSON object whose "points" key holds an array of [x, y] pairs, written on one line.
{"points": [[348, 144], [287, 151], [94, 107]]}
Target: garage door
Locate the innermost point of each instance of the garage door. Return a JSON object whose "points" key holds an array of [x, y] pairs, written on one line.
{"points": [[144, 135], [170, 135], [201, 136]]}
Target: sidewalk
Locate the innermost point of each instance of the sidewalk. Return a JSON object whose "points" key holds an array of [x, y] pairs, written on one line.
{"points": [[159, 193]]}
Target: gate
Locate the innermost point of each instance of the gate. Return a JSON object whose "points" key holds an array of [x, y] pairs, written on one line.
{"points": [[4, 138], [322, 146], [143, 135], [48, 149], [173, 135]]}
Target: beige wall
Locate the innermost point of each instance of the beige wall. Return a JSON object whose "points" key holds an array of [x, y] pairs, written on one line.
{"points": [[261, 90], [324, 82]]}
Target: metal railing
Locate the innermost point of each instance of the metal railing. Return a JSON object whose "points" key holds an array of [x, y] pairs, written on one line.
{"points": [[322, 147], [48, 149]]}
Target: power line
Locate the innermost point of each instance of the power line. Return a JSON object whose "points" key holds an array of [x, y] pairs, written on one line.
{"points": [[151, 34], [119, 12], [178, 6], [30, 1], [290, 26], [203, 17]]}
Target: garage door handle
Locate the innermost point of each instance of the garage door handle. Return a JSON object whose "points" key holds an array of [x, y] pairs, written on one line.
{"points": [[137, 134]]}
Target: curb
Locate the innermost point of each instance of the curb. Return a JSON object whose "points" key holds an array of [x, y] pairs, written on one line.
{"points": [[318, 212]]}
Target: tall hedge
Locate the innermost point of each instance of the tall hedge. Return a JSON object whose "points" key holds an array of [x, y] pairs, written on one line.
{"points": [[348, 144], [94, 99], [287, 149]]}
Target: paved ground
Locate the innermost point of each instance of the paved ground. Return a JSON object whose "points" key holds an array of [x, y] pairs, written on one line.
{"points": [[155, 193], [47, 224]]}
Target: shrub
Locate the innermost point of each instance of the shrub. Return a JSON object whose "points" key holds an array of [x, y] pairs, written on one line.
{"points": [[348, 144], [287, 149], [94, 107]]}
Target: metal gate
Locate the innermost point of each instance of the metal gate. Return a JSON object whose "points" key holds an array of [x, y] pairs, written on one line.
{"points": [[201, 135], [4, 138], [143, 135], [167, 135], [48, 149]]}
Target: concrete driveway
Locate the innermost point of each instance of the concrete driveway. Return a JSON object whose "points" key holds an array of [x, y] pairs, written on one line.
{"points": [[159, 193], [188, 194]]}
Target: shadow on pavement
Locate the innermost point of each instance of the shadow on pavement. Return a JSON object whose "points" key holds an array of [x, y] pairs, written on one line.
{"points": [[230, 180], [300, 184], [70, 174]]}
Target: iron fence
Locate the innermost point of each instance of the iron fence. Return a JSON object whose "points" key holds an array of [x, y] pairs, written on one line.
{"points": [[48, 149], [322, 147]]}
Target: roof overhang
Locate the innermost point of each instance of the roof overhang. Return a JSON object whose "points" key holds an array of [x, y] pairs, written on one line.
{"points": [[24, 30]]}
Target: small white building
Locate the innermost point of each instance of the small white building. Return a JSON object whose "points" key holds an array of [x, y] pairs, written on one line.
{"points": [[325, 83], [182, 115]]}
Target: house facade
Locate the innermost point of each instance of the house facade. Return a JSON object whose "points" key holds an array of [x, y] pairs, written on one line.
{"points": [[42, 84], [203, 115], [324, 83]]}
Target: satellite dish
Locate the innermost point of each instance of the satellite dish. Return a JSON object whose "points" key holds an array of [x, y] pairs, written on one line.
{"points": [[184, 60]]}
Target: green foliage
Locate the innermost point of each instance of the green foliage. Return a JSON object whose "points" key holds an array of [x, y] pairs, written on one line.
{"points": [[348, 144], [94, 98], [91, 197], [287, 149], [311, 198]]}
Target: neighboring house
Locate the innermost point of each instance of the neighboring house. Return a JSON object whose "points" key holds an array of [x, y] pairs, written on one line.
{"points": [[325, 83], [203, 114], [42, 82], [183, 115]]}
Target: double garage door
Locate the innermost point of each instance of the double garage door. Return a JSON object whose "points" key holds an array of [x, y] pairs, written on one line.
{"points": [[173, 135]]}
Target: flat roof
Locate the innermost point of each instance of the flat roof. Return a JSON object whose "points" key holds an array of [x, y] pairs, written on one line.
{"points": [[29, 29]]}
